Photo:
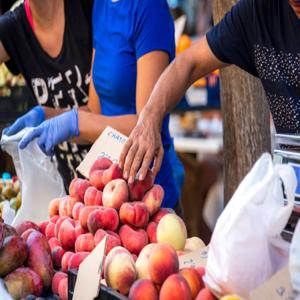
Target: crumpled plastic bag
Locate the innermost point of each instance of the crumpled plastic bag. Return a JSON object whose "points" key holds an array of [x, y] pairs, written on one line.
{"points": [[40, 179], [246, 247], [294, 264]]}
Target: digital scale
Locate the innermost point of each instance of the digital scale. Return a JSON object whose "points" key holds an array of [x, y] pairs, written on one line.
{"points": [[287, 151]]}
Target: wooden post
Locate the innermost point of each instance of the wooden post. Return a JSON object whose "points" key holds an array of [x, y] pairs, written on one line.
{"points": [[246, 118]]}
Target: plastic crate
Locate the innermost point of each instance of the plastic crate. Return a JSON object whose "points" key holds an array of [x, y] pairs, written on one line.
{"points": [[106, 293]]}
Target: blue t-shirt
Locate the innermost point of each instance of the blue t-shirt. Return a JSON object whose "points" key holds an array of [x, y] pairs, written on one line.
{"points": [[262, 37], [124, 31]]}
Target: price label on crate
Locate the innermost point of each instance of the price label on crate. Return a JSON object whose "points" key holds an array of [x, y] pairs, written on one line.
{"points": [[109, 144]]}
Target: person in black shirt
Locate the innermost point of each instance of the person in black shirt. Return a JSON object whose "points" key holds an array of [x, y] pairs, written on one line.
{"points": [[50, 43], [260, 36]]}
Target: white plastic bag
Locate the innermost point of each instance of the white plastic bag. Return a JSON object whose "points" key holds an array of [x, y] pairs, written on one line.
{"points": [[246, 247], [40, 180], [294, 263]]}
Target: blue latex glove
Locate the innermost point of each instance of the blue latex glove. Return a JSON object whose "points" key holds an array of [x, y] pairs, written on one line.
{"points": [[31, 119], [53, 131]]}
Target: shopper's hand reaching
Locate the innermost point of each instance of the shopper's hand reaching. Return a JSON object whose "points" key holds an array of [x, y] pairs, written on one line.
{"points": [[143, 146], [31, 119], [53, 131]]}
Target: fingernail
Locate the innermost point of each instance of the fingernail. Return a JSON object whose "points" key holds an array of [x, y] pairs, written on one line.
{"points": [[125, 174], [141, 177], [130, 180]]}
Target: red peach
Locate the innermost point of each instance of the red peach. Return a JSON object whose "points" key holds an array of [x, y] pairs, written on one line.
{"points": [[134, 240], [93, 197], [54, 242], [26, 234], [163, 262], [50, 231], [66, 235], [112, 173], [42, 226], [176, 288], [142, 262], [58, 276], [151, 231], [101, 163], [54, 219], [193, 279], [96, 179], [153, 198], [113, 240], [105, 218], [119, 272], [53, 207], [161, 213], [58, 224], [78, 188], [23, 226], [143, 289], [84, 214], [63, 289], [57, 255], [79, 230], [134, 213], [205, 294], [76, 260], [65, 260], [115, 193], [134, 257], [66, 206], [200, 270], [78, 206], [138, 188], [85, 243]]}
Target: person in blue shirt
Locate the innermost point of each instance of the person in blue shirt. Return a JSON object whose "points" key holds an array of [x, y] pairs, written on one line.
{"points": [[133, 43]]}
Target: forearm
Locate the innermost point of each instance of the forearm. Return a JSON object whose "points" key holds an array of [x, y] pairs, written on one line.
{"points": [[51, 112], [92, 125]]}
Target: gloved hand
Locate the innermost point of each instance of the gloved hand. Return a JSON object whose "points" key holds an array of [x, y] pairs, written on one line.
{"points": [[31, 119], [53, 131]]}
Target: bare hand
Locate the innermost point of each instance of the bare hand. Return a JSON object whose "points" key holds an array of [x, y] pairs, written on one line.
{"points": [[144, 144]]}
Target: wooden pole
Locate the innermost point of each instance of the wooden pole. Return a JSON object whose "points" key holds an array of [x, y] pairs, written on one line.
{"points": [[246, 118]]}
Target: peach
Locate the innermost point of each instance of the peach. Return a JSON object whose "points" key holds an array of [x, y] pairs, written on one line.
{"points": [[76, 260], [205, 294], [84, 214], [163, 262], [101, 163], [193, 243], [112, 173], [42, 226], [104, 218], [119, 272], [63, 289], [78, 206], [200, 270], [134, 213], [26, 234], [54, 242], [161, 213], [113, 240], [85, 243], [58, 276], [142, 262], [115, 193], [66, 235], [171, 230], [153, 198], [193, 279], [93, 197], [53, 207], [151, 231], [50, 233], [57, 255], [66, 205], [78, 188], [79, 230], [23, 226], [134, 257], [54, 219], [58, 224], [96, 178], [65, 260], [133, 239], [143, 289], [138, 188], [231, 297], [176, 288]]}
